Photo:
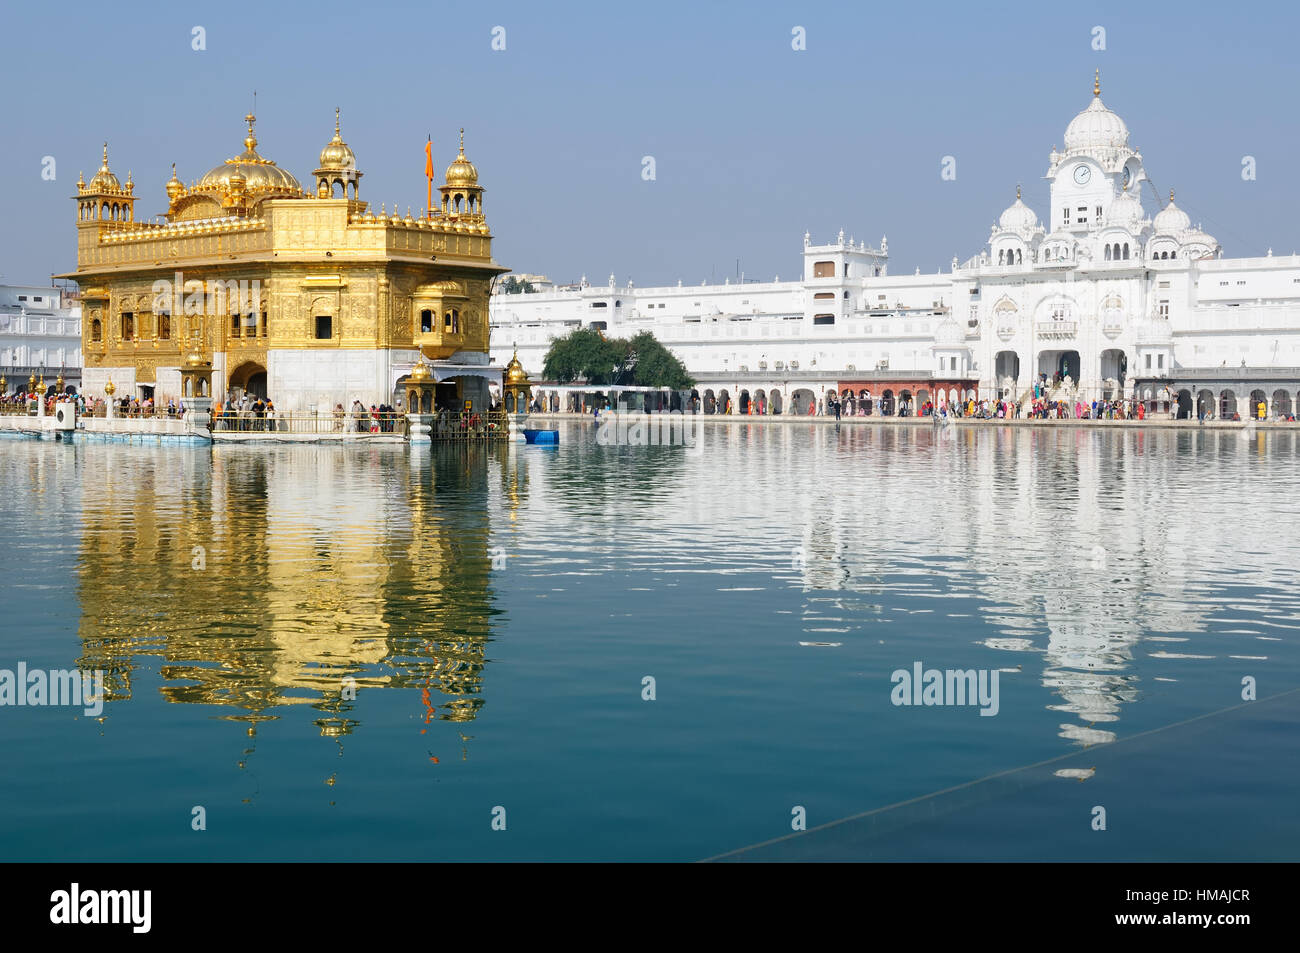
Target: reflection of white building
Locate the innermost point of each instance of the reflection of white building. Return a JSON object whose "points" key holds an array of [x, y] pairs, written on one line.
{"points": [[1123, 298], [40, 333]]}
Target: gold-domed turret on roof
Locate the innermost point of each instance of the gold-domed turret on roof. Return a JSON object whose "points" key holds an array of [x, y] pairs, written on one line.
{"points": [[338, 167], [174, 185], [104, 179], [461, 171], [337, 154]]}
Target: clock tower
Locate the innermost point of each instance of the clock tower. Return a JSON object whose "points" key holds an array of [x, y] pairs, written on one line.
{"points": [[1096, 166]]}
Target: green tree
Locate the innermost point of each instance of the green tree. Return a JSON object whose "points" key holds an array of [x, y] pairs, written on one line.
{"points": [[586, 354], [653, 365], [583, 354], [510, 285]]}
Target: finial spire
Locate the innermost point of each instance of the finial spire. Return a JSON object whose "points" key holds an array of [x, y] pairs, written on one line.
{"points": [[1096, 83], [1171, 195], [1017, 191], [105, 155], [336, 120], [462, 140]]}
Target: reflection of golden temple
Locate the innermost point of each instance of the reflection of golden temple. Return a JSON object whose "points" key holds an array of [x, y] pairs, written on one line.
{"points": [[258, 597]]}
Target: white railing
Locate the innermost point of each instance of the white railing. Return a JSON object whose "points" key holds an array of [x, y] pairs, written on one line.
{"points": [[1056, 329]]}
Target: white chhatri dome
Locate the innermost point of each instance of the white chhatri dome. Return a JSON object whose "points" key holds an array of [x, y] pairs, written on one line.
{"points": [[1018, 216], [1096, 127], [1125, 210], [1171, 219], [1199, 239]]}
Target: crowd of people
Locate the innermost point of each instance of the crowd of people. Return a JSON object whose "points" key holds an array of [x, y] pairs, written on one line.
{"points": [[252, 412]]}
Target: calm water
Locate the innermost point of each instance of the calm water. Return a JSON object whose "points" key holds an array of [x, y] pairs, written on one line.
{"points": [[500, 609]]}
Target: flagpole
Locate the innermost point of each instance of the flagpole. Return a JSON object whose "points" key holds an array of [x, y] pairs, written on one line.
{"points": [[428, 172]]}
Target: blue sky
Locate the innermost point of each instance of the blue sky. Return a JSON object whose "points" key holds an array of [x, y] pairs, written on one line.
{"points": [[753, 142]]}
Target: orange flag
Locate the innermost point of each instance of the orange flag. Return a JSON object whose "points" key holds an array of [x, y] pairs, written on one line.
{"points": [[428, 171]]}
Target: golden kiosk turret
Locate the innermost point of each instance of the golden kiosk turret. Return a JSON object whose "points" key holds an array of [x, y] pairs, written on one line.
{"points": [[517, 387], [419, 389]]}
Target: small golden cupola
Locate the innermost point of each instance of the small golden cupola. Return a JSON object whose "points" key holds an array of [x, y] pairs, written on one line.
{"points": [[104, 179], [516, 386], [338, 167], [104, 199], [462, 196], [175, 189]]}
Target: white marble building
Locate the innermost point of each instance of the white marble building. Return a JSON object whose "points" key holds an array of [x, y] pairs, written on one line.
{"points": [[40, 333], [1120, 298]]}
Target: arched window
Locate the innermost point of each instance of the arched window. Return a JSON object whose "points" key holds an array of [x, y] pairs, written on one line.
{"points": [[1000, 256], [96, 330], [1108, 253], [1020, 258], [1173, 254], [164, 327], [1126, 251], [128, 325], [426, 321]]}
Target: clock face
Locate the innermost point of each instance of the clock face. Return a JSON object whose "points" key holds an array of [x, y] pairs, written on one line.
{"points": [[1082, 174]]}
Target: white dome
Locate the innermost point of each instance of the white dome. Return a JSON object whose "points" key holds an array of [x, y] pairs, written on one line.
{"points": [[1198, 237], [1096, 128], [1018, 216], [1124, 210], [1171, 219]]}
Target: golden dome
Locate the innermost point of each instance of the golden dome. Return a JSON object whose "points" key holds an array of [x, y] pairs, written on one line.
{"points": [[461, 171], [174, 185], [420, 373], [195, 359], [104, 179], [110, 388], [337, 156], [515, 373], [259, 174]]}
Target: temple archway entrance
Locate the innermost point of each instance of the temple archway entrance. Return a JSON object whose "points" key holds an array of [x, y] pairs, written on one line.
{"points": [[1058, 365], [249, 378], [1257, 397], [1006, 369], [1281, 404], [1204, 404]]}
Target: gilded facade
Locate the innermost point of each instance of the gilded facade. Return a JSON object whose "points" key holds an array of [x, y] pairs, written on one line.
{"points": [[307, 296]]}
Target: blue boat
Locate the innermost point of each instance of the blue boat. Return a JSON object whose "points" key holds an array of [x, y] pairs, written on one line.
{"points": [[541, 436]]}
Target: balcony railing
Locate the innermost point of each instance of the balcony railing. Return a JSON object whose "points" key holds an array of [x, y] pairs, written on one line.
{"points": [[1062, 328], [487, 425], [342, 423]]}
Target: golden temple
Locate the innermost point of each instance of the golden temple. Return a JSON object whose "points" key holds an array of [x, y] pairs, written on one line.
{"points": [[306, 296]]}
